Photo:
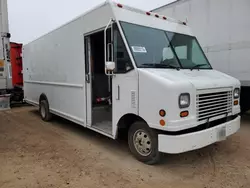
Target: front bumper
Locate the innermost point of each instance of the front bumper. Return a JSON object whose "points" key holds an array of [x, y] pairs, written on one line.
{"points": [[196, 140]]}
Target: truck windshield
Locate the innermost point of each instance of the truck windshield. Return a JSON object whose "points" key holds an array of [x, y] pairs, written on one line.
{"points": [[155, 48]]}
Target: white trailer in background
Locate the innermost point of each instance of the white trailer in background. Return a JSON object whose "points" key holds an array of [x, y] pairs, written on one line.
{"points": [[223, 29], [5, 65], [117, 68]]}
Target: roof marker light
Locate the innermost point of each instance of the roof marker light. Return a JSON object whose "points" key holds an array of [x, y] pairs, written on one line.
{"points": [[148, 13], [157, 16], [119, 5]]}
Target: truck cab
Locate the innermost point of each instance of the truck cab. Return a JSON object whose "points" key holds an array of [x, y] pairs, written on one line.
{"points": [[181, 102]]}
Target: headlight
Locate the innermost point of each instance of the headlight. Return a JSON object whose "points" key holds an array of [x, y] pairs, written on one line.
{"points": [[184, 100], [236, 93]]}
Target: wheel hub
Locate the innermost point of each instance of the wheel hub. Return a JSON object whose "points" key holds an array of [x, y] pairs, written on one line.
{"points": [[142, 143], [43, 111]]}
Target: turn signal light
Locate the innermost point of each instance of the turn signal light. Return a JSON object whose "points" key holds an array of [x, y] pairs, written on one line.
{"points": [[184, 114], [162, 113], [162, 122], [236, 103]]}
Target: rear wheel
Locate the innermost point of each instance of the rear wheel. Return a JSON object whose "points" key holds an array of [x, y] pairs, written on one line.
{"points": [[143, 143], [44, 110]]}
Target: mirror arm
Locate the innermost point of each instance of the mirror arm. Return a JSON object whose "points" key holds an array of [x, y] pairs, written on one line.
{"points": [[105, 38], [108, 72]]}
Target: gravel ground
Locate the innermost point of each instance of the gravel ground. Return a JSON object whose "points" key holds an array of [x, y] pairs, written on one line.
{"points": [[62, 154]]}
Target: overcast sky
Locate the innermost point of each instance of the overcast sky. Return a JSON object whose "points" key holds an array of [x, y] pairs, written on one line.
{"points": [[30, 19]]}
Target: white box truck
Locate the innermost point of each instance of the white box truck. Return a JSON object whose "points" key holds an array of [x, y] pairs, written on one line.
{"points": [[5, 65], [223, 28], [117, 68]]}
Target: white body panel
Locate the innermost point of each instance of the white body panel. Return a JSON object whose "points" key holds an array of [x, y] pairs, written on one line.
{"points": [[54, 65], [169, 84], [196, 140], [126, 97], [5, 73], [222, 27]]}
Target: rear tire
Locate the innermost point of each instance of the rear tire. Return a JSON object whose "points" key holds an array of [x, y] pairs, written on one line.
{"points": [[143, 143], [44, 111]]}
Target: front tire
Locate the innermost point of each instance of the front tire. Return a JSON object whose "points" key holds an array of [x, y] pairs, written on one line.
{"points": [[143, 143], [44, 111]]}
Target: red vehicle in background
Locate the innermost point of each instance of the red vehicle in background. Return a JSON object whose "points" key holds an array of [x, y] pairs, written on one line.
{"points": [[17, 64], [17, 72]]}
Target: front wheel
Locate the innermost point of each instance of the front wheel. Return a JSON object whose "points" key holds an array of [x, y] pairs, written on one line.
{"points": [[143, 143]]}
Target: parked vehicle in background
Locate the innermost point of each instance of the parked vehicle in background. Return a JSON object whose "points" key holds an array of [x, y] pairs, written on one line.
{"points": [[5, 65], [222, 28], [17, 72], [134, 71], [11, 80], [17, 64]]}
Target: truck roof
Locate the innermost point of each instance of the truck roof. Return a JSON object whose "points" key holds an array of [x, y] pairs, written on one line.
{"points": [[115, 7], [148, 13]]}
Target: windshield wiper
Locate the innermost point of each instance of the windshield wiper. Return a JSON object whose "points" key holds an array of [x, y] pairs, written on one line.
{"points": [[148, 64], [167, 66], [197, 66], [153, 65]]}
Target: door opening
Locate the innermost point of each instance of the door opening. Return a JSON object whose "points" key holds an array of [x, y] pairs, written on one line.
{"points": [[100, 84]]}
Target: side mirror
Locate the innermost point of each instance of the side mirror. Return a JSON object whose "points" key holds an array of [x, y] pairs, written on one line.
{"points": [[109, 68]]}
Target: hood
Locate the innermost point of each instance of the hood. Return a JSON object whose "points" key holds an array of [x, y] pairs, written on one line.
{"points": [[200, 79]]}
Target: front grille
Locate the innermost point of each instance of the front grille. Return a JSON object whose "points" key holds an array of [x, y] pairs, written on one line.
{"points": [[214, 104]]}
